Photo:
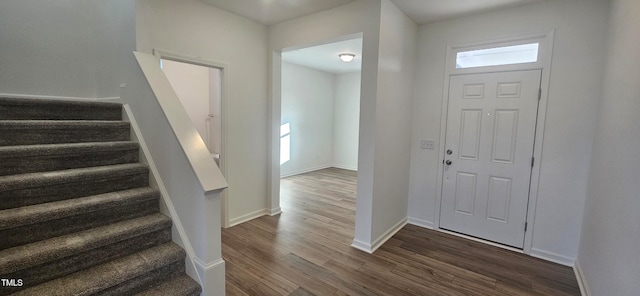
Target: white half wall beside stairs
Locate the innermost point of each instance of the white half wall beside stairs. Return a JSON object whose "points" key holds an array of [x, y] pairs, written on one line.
{"points": [[191, 177]]}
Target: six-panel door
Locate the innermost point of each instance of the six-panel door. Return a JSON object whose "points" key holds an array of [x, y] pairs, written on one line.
{"points": [[490, 132]]}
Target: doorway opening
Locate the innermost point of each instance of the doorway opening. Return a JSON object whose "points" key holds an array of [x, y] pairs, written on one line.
{"points": [[199, 90], [319, 128], [201, 87]]}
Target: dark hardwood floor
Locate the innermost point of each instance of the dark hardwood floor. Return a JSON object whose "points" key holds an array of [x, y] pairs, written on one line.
{"points": [[306, 251]]}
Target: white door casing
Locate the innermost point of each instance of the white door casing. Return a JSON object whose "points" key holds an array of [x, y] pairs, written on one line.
{"points": [[490, 132]]}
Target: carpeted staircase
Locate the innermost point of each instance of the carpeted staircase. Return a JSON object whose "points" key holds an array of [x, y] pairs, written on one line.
{"points": [[77, 215]]}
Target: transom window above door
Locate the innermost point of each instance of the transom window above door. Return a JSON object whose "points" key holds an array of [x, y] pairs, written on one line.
{"points": [[498, 56]]}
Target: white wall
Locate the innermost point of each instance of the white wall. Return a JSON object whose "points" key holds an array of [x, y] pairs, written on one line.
{"points": [[570, 119], [51, 48], [307, 105], [323, 110], [346, 118], [393, 121], [609, 243], [191, 84], [196, 29], [48, 48], [115, 40]]}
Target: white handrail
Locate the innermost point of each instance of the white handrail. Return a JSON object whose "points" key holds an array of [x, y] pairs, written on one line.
{"points": [[207, 172]]}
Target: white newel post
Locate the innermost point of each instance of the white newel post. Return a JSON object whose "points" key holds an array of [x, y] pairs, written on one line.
{"points": [[209, 254]]}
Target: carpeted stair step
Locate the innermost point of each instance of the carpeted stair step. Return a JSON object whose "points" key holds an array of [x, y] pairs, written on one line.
{"points": [[123, 276], [52, 157], [36, 188], [45, 260], [12, 108], [32, 132], [181, 285], [77, 215], [29, 224]]}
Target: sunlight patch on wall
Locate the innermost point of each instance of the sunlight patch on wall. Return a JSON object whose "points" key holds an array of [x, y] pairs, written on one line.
{"points": [[285, 143]]}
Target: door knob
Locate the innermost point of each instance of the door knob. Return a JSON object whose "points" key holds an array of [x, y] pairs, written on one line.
{"points": [[448, 162]]}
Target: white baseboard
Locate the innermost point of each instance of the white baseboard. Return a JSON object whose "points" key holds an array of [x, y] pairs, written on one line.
{"points": [[345, 167], [275, 211], [208, 266], [388, 234], [370, 248], [249, 216], [307, 170], [213, 282], [582, 281], [362, 246], [548, 256], [553, 257], [59, 98], [420, 223]]}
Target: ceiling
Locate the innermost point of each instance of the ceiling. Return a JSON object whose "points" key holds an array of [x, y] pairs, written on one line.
{"points": [[429, 11], [325, 57], [269, 12]]}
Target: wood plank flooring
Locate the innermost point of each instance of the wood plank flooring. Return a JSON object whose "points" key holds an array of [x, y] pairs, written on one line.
{"points": [[306, 251]]}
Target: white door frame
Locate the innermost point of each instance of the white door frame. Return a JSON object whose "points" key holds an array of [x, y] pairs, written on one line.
{"points": [[275, 118], [544, 64], [168, 55]]}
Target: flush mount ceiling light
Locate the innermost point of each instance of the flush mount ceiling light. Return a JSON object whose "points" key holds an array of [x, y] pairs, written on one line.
{"points": [[346, 57]]}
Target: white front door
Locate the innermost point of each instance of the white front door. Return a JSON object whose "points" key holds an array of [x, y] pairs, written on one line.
{"points": [[491, 126]]}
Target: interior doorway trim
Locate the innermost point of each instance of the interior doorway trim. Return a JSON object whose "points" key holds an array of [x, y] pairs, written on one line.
{"points": [[544, 64], [177, 57]]}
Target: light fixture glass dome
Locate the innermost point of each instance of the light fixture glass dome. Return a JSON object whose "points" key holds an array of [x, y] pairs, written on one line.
{"points": [[346, 57]]}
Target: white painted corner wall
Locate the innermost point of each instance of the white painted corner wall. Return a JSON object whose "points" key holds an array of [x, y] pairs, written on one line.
{"points": [[395, 92], [608, 260], [323, 111], [576, 75]]}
